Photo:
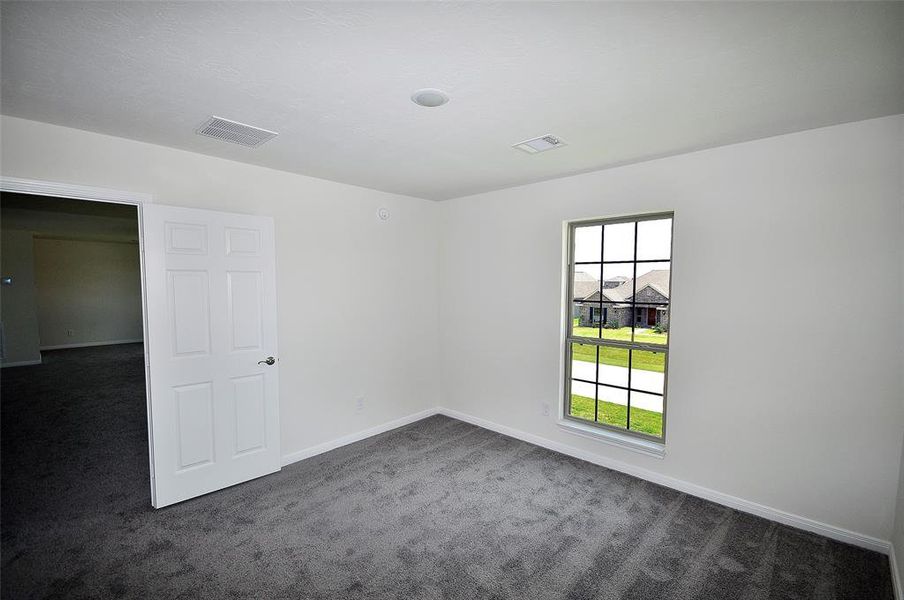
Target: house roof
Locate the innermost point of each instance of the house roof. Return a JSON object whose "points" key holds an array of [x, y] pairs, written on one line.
{"points": [[657, 279], [585, 285]]}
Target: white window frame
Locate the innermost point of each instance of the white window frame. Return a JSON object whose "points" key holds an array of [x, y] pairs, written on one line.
{"points": [[633, 440]]}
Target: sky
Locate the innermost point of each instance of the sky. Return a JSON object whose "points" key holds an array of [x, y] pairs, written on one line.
{"points": [[654, 240]]}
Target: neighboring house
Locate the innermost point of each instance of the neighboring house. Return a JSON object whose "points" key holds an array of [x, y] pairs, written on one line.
{"points": [[611, 305]]}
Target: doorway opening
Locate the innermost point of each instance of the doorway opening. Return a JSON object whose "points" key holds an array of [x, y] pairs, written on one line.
{"points": [[74, 404]]}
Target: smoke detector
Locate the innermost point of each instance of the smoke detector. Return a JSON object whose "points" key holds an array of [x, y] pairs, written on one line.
{"points": [[430, 97], [539, 144], [235, 132]]}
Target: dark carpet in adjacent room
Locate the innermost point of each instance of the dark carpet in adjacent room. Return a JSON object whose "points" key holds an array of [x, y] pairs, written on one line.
{"points": [[437, 509]]}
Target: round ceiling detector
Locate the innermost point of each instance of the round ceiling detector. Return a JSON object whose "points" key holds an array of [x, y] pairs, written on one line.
{"points": [[430, 97]]}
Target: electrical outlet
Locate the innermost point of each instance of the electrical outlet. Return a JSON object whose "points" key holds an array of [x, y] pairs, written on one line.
{"points": [[545, 408], [359, 403], [70, 332]]}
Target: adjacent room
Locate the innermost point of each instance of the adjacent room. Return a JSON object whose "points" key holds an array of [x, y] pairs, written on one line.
{"points": [[416, 300]]}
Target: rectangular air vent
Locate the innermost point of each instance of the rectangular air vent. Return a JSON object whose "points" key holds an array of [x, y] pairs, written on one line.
{"points": [[540, 144], [237, 133]]}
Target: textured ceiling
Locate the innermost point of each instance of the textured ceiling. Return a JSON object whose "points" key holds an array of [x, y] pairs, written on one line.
{"points": [[619, 82]]}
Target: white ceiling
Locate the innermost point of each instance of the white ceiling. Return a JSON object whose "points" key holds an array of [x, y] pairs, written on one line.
{"points": [[619, 82]]}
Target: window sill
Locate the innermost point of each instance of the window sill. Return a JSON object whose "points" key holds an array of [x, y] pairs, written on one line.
{"points": [[628, 442]]}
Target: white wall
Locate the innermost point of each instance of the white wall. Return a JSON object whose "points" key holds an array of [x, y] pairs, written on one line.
{"points": [[91, 289], [786, 348], [357, 296], [17, 301]]}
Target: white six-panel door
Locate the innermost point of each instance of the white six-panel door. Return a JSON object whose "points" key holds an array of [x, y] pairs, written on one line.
{"points": [[211, 321]]}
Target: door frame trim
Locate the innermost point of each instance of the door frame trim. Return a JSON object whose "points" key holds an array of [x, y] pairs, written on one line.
{"points": [[74, 191]]}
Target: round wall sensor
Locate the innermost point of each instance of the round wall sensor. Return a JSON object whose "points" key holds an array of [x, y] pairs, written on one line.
{"points": [[383, 214], [430, 97]]}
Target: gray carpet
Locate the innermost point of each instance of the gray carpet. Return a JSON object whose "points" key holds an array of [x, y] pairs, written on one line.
{"points": [[437, 509]]}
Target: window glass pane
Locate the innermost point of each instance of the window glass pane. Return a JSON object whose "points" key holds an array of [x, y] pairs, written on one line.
{"points": [[651, 298], [646, 413], [582, 388], [582, 405], [586, 319], [652, 282], [617, 290], [586, 312], [583, 364], [613, 406], [618, 241], [651, 324], [613, 366], [654, 240], [617, 281], [617, 322], [588, 243], [586, 282], [648, 371], [611, 320]]}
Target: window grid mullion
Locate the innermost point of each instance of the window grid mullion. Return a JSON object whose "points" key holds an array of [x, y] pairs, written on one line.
{"points": [[596, 385], [618, 344], [596, 389], [622, 262], [616, 386], [633, 329], [602, 284]]}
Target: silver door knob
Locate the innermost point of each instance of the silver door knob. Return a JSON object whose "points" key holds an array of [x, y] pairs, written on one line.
{"points": [[270, 360]]}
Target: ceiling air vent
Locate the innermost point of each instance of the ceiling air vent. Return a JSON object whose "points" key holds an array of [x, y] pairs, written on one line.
{"points": [[540, 144], [237, 133]]}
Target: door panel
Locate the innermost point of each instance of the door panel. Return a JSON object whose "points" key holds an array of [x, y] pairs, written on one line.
{"points": [[194, 425], [245, 310], [189, 304], [186, 238], [211, 313], [242, 242], [250, 414]]}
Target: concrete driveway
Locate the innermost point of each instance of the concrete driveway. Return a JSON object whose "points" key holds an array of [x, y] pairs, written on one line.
{"points": [[649, 381]]}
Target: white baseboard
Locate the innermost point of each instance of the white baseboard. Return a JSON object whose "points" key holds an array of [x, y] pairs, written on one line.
{"points": [[351, 438], [773, 514], [895, 575], [90, 344], [21, 363]]}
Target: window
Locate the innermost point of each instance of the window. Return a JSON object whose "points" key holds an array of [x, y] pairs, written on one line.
{"points": [[619, 270]]}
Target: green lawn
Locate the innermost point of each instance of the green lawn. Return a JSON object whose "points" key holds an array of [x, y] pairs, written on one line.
{"points": [[644, 421], [642, 359], [644, 336]]}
